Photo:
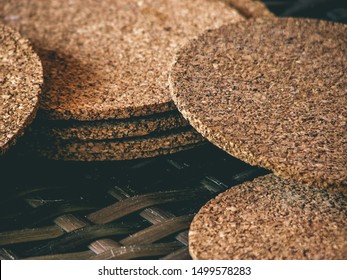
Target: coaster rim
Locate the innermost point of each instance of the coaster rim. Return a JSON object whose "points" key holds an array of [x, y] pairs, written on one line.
{"points": [[33, 85]]}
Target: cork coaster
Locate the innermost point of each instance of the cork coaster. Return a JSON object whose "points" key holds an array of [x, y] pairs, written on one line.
{"points": [[112, 129], [250, 8], [271, 218], [272, 93], [110, 59], [21, 78], [126, 149]]}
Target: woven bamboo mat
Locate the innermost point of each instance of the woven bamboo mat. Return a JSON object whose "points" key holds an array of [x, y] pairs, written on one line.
{"points": [[138, 209]]}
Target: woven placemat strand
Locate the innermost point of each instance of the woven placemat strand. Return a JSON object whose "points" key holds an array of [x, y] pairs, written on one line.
{"points": [[132, 210]]}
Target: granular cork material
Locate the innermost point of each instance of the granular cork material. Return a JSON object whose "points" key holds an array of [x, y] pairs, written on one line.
{"points": [[109, 156], [112, 129], [250, 8], [271, 218], [271, 92], [21, 78], [110, 59], [125, 149]]}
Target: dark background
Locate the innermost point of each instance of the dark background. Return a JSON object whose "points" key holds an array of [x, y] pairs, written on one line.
{"points": [[333, 10]]}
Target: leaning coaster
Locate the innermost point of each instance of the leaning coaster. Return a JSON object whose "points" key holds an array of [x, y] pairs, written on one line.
{"points": [[138, 147], [272, 93], [110, 59], [250, 8], [271, 218], [111, 129], [21, 78]]}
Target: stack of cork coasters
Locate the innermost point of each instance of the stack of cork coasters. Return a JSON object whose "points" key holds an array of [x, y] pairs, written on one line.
{"points": [[106, 66], [271, 92], [21, 79]]}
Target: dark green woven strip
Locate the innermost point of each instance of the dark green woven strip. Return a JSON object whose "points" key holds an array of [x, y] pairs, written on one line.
{"points": [[138, 251], [72, 240], [85, 255], [135, 203], [46, 212], [180, 254], [31, 234], [159, 231]]}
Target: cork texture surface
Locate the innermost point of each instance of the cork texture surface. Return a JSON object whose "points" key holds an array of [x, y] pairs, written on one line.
{"points": [[126, 149], [271, 218], [271, 92], [110, 59], [112, 129], [21, 79], [250, 8]]}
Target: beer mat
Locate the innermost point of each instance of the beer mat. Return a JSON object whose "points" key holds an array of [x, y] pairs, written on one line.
{"points": [[110, 59], [250, 8], [122, 149], [111, 129], [271, 92], [20, 85], [271, 218]]}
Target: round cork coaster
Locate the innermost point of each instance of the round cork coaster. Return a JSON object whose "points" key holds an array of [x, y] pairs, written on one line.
{"points": [[110, 59], [250, 8], [126, 149], [21, 78], [272, 93], [112, 129], [271, 218]]}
